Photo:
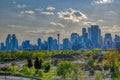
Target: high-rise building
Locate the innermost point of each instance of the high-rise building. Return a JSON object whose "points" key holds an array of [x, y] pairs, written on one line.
{"points": [[2, 47], [101, 42], [117, 42], [65, 44], [14, 42], [74, 38], [80, 40], [39, 43], [55, 45], [117, 38], [8, 42], [107, 41], [44, 45], [83, 30], [94, 36], [84, 38], [117, 46], [26, 45], [50, 43]]}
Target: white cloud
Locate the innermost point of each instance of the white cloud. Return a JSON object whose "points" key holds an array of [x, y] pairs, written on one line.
{"points": [[38, 9], [50, 8], [89, 23], [29, 12], [34, 31], [47, 13], [100, 20], [111, 12], [103, 1], [50, 31], [14, 2], [21, 6], [72, 15], [114, 29], [12, 26], [16, 26], [57, 24]]}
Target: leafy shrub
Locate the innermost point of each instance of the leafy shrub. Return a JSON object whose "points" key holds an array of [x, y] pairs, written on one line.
{"points": [[64, 68], [40, 73], [25, 64], [27, 71], [5, 69], [98, 76], [13, 69], [46, 66]]}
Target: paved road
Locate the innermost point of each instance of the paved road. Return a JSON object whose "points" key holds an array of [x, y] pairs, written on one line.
{"points": [[14, 78], [20, 63]]}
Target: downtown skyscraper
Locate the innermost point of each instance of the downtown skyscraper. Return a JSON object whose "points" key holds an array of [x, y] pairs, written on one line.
{"points": [[94, 36], [11, 42]]}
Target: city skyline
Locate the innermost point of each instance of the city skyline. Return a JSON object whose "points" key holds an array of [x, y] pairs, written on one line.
{"points": [[91, 38], [60, 39], [60, 36], [31, 19]]}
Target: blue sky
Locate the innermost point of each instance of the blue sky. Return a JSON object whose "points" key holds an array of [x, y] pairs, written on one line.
{"points": [[30, 19]]}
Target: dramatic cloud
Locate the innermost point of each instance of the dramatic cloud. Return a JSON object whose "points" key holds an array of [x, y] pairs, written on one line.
{"points": [[47, 13], [72, 15], [29, 12], [103, 1], [50, 8], [57, 24], [21, 6]]}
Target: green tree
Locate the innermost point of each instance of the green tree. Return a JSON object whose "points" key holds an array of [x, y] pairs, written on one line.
{"points": [[29, 63], [64, 68], [38, 64], [112, 57]]}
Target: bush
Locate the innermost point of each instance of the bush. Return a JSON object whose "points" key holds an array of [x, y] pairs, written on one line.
{"points": [[46, 66], [25, 64], [5, 69], [27, 71], [13, 69], [98, 76], [40, 73], [64, 68]]}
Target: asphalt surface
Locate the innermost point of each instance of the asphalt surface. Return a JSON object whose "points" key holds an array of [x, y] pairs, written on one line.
{"points": [[14, 78], [19, 63]]}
